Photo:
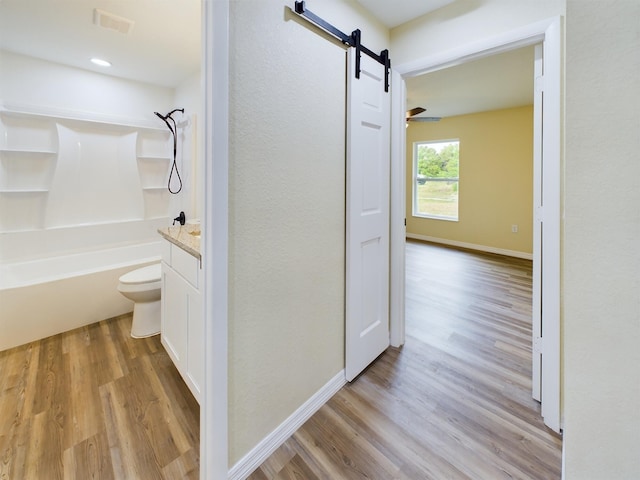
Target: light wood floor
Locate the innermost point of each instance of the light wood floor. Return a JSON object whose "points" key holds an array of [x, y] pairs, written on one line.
{"points": [[95, 403], [454, 402]]}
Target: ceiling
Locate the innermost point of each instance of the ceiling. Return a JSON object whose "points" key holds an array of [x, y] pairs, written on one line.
{"points": [[499, 81], [162, 48], [396, 12]]}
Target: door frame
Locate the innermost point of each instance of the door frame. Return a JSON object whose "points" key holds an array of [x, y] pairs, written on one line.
{"points": [[215, 240], [548, 32]]}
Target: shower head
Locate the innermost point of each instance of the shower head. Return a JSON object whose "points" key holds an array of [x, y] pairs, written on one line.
{"points": [[168, 115]]}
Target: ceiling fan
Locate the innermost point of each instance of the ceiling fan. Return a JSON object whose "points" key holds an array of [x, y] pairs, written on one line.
{"points": [[411, 116]]}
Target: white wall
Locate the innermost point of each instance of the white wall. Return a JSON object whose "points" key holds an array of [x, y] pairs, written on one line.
{"points": [[602, 227], [286, 218], [188, 95], [29, 81]]}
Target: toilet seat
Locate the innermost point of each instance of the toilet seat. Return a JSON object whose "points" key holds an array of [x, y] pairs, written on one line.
{"points": [[149, 274]]}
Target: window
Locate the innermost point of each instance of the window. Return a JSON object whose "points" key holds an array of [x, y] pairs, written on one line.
{"points": [[436, 168]]}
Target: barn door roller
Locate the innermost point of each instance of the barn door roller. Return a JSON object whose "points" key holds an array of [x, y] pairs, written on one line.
{"points": [[353, 40]]}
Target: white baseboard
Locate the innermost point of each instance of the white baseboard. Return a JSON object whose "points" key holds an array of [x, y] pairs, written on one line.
{"points": [[472, 246], [252, 460]]}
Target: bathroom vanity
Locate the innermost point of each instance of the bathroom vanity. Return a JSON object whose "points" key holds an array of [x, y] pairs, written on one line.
{"points": [[182, 326]]}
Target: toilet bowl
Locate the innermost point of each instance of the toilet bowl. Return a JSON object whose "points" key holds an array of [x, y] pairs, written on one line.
{"points": [[143, 286]]}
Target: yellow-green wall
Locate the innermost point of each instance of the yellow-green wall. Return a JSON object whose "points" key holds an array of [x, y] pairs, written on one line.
{"points": [[496, 179]]}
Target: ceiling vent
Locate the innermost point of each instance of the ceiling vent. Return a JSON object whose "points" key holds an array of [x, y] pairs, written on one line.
{"points": [[112, 22]]}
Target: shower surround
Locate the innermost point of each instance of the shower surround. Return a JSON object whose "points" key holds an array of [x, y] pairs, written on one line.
{"points": [[81, 198]]}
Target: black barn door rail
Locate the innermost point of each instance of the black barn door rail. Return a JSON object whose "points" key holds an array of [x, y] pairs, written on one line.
{"points": [[353, 40]]}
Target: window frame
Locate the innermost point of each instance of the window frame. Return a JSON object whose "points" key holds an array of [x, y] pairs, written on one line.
{"points": [[414, 189]]}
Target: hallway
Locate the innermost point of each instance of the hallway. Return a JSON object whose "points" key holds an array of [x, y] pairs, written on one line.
{"points": [[455, 402]]}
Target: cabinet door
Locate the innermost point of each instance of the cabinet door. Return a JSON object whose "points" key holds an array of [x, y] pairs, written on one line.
{"points": [[195, 353], [175, 307]]}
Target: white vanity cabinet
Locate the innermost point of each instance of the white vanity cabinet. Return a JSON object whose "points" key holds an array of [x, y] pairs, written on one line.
{"points": [[182, 317]]}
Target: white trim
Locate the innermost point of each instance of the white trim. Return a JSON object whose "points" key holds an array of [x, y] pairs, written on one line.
{"points": [[549, 32], [213, 412], [252, 460], [472, 246], [536, 292], [521, 37], [397, 214]]}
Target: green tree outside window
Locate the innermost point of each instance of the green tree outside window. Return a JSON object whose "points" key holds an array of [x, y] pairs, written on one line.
{"points": [[436, 172]]}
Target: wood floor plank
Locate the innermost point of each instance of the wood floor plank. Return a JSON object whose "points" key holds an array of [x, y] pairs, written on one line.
{"points": [[387, 431], [103, 357], [454, 402], [186, 466], [89, 459], [86, 415], [44, 453], [277, 461], [296, 469], [145, 444]]}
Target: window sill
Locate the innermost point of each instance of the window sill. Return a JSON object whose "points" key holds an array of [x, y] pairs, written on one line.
{"points": [[435, 217]]}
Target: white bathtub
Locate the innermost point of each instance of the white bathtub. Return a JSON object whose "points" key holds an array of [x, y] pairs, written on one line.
{"points": [[43, 297]]}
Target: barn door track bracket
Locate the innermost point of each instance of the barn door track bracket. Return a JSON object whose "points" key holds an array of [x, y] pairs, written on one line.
{"points": [[353, 40]]}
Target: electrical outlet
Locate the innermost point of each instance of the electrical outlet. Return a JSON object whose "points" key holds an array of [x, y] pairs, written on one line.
{"points": [[514, 228]]}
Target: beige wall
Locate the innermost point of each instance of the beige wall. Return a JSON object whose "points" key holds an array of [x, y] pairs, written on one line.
{"points": [[466, 21], [287, 177], [496, 179], [602, 231]]}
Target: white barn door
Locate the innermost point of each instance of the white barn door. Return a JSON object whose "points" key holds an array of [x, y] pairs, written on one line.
{"points": [[367, 249]]}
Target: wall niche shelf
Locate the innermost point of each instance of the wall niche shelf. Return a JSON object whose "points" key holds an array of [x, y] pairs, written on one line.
{"points": [[44, 114], [154, 158], [23, 190], [26, 170], [24, 152]]}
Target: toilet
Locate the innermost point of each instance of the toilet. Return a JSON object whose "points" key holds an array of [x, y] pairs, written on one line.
{"points": [[143, 287]]}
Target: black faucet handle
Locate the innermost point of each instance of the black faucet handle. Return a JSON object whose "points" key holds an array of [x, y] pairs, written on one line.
{"points": [[180, 218]]}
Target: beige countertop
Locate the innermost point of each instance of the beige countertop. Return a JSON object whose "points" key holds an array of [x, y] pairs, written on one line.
{"points": [[183, 236]]}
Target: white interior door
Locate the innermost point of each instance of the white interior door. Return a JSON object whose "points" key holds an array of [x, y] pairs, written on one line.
{"points": [[536, 311], [550, 213], [546, 245], [367, 249]]}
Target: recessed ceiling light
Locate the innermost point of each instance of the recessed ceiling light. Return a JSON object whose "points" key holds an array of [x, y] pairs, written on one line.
{"points": [[102, 63]]}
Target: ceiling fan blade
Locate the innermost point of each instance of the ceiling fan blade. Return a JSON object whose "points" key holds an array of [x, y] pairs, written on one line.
{"points": [[424, 119], [415, 111]]}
